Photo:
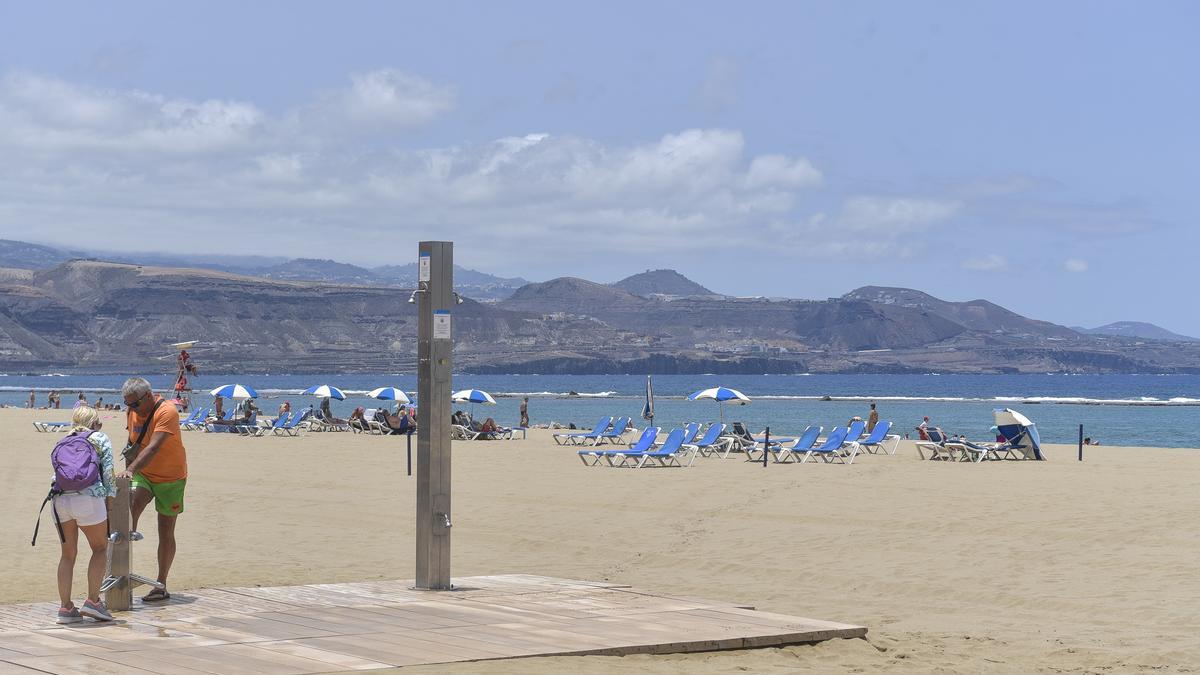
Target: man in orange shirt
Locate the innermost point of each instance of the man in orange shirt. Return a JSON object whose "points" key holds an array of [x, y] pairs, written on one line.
{"points": [[158, 470]]}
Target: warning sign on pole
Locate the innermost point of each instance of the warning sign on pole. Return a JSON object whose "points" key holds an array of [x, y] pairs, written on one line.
{"points": [[423, 268], [441, 324]]}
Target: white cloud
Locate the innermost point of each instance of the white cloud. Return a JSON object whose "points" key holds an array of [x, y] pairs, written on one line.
{"points": [[391, 98], [894, 214], [43, 115], [777, 170], [987, 263], [1075, 265], [120, 161]]}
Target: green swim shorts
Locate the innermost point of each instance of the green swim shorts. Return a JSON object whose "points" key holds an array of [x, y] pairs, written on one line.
{"points": [[168, 497]]}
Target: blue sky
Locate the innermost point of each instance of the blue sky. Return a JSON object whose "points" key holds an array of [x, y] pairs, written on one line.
{"points": [[1040, 155]]}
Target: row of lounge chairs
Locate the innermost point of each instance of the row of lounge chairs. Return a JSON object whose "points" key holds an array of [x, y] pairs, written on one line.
{"points": [[646, 452], [941, 447], [842, 445]]}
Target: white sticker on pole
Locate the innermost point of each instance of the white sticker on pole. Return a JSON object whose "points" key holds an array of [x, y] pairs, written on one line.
{"points": [[423, 268], [441, 324]]}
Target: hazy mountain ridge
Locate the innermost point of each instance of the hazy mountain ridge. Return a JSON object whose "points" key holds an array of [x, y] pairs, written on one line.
{"points": [[471, 283], [1137, 330], [97, 315], [661, 282]]}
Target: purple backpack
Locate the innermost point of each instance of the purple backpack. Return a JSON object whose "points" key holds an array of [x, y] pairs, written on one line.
{"points": [[76, 463]]}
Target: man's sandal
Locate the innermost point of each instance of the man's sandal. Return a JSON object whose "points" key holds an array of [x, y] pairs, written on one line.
{"points": [[156, 595]]}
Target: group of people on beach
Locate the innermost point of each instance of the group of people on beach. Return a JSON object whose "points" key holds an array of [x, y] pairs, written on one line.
{"points": [[54, 401], [85, 485]]}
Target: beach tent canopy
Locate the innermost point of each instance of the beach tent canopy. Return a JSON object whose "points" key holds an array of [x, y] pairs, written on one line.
{"points": [[325, 391], [720, 395], [234, 391], [389, 394], [472, 396], [1018, 430]]}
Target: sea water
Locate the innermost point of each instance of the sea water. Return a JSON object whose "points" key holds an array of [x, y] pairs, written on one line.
{"points": [[1148, 410]]}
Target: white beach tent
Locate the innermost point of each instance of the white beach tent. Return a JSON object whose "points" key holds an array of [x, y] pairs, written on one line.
{"points": [[1019, 431]]}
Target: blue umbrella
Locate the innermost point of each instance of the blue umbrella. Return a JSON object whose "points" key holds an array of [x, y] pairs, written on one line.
{"points": [[720, 395], [325, 391], [648, 409], [472, 396], [234, 391], [389, 394]]}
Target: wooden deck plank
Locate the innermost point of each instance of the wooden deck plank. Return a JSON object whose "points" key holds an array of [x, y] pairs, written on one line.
{"points": [[76, 664], [377, 624], [336, 660]]}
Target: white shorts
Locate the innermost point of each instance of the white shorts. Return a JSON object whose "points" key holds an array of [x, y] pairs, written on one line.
{"points": [[85, 510]]}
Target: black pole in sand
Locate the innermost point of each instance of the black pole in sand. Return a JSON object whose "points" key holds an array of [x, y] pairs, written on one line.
{"points": [[1081, 442], [409, 435], [766, 445]]}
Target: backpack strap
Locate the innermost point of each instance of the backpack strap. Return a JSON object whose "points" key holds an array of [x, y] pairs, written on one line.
{"points": [[54, 492]]}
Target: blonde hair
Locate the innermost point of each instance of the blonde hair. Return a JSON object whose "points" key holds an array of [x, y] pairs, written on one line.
{"points": [[84, 418]]}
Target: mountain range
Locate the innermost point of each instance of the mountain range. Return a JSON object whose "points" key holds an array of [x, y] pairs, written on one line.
{"points": [[104, 316], [478, 285]]}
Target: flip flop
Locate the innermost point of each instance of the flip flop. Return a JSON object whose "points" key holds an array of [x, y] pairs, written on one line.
{"points": [[156, 595]]}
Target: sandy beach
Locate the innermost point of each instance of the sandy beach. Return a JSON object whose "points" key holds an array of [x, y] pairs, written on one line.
{"points": [[998, 567]]}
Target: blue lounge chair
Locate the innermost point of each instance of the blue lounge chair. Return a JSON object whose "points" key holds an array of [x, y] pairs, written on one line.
{"points": [[690, 431], [572, 438], [711, 442], [190, 418], [51, 426], [855, 432], [754, 453], [874, 442], [831, 449], [666, 454], [617, 433], [785, 453], [644, 443], [196, 421], [936, 445], [278, 423], [291, 427]]}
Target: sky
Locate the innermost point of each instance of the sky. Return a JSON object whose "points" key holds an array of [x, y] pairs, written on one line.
{"points": [[1039, 155]]}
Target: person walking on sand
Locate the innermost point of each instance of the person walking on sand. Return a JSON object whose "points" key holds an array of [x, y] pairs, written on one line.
{"points": [[872, 419], [83, 508], [525, 413], [158, 469]]}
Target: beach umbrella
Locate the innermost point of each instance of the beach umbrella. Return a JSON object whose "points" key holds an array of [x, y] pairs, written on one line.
{"points": [[472, 396], [1018, 430], [648, 409], [720, 395], [325, 391], [234, 391], [389, 394]]}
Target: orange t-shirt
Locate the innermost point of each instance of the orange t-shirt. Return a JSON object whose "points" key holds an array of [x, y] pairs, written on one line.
{"points": [[170, 463]]}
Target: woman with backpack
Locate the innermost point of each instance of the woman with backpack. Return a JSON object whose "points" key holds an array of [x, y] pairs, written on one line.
{"points": [[84, 474]]}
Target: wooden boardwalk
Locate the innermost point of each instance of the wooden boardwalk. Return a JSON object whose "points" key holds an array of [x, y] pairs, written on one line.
{"points": [[361, 626]]}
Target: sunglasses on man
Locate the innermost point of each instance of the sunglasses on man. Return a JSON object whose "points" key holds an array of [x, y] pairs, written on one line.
{"points": [[133, 405]]}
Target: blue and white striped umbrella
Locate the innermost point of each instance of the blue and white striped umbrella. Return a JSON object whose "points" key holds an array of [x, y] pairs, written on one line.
{"points": [[325, 391], [389, 394], [720, 395], [472, 396], [234, 391]]}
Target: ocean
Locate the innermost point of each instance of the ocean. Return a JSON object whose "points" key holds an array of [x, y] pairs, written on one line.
{"points": [[1148, 410]]}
